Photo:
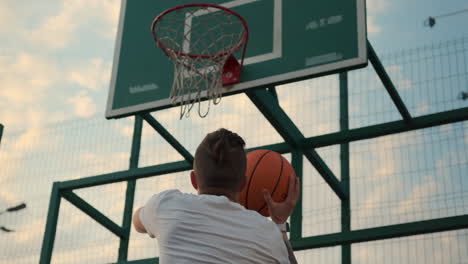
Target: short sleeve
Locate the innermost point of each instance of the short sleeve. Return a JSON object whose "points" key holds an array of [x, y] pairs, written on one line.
{"points": [[149, 213]]}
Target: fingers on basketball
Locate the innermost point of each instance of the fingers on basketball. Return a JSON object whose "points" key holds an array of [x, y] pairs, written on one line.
{"points": [[269, 201]]}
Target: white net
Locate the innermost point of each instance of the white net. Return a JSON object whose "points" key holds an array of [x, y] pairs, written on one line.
{"points": [[199, 41]]}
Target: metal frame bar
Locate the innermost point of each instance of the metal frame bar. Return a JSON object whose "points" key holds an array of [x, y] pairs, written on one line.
{"points": [[51, 225], [345, 167], [389, 128], [88, 209], [1, 133], [267, 102], [133, 174], [130, 192], [382, 232], [140, 261], [387, 82], [168, 137], [269, 107], [317, 141], [296, 218]]}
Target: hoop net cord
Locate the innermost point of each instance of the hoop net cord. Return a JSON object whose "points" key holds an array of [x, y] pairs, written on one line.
{"points": [[198, 40]]}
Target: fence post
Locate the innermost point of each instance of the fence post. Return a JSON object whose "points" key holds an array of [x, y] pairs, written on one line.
{"points": [[51, 225]]}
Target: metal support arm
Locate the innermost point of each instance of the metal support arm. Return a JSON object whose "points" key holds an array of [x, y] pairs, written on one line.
{"points": [[168, 137], [387, 82], [51, 225], [93, 213], [1, 133], [130, 192], [383, 232], [269, 107]]}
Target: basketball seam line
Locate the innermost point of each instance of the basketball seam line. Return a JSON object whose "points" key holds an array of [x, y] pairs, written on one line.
{"points": [[276, 185], [250, 180]]}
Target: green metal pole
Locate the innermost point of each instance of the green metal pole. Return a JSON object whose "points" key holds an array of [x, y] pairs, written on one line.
{"points": [[88, 209], [389, 128], [268, 105], [130, 193], [1, 133], [344, 162], [296, 218], [51, 225], [382, 232], [387, 82]]}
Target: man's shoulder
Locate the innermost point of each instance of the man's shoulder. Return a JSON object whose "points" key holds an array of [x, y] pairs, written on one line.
{"points": [[166, 194], [221, 205]]}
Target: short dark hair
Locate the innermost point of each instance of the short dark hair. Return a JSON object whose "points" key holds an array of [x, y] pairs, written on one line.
{"points": [[220, 161]]}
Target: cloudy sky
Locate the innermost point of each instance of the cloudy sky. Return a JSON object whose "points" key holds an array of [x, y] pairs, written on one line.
{"points": [[55, 65]]}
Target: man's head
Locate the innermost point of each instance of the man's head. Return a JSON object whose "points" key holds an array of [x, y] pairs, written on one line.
{"points": [[220, 163]]}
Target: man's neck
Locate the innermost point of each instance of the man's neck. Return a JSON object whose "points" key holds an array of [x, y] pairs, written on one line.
{"points": [[233, 197]]}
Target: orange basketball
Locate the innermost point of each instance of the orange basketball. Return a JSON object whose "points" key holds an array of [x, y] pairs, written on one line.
{"points": [[269, 170]]}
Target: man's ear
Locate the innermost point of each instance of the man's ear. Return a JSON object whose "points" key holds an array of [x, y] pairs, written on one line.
{"points": [[193, 178]]}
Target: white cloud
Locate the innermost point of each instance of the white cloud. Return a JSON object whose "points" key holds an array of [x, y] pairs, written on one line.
{"points": [[422, 109], [444, 247], [397, 74], [31, 140], [383, 149], [25, 78], [404, 84], [57, 31], [374, 9], [83, 105], [93, 75], [447, 128], [125, 126], [376, 197], [26, 81], [466, 136], [32, 233], [7, 18], [94, 251], [372, 27], [31, 115], [124, 130], [393, 69], [377, 6], [8, 196], [417, 199], [111, 11], [100, 161]]}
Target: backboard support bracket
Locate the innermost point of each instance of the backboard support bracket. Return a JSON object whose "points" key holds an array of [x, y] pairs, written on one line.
{"points": [[387, 82]]}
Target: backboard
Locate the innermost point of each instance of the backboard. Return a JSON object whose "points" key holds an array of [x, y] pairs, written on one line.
{"points": [[288, 41]]}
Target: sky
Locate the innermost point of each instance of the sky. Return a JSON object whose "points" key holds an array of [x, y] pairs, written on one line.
{"points": [[55, 66]]}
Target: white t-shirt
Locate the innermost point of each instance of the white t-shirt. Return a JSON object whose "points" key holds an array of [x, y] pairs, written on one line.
{"points": [[210, 229]]}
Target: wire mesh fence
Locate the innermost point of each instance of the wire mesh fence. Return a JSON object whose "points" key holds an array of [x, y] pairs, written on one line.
{"points": [[398, 178]]}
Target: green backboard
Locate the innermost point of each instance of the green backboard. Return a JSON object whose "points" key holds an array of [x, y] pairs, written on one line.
{"points": [[288, 41]]}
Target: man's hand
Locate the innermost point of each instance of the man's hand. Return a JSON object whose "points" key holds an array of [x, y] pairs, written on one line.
{"points": [[280, 212]]}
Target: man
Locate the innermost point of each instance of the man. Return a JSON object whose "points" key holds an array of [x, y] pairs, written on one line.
{"points": [[212, 227]]}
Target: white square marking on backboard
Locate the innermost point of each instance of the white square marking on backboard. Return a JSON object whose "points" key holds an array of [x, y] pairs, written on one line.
{"points": [[277, 30]]}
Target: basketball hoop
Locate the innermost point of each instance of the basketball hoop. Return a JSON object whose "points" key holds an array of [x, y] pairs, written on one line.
{"points": [[201, 40]]}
